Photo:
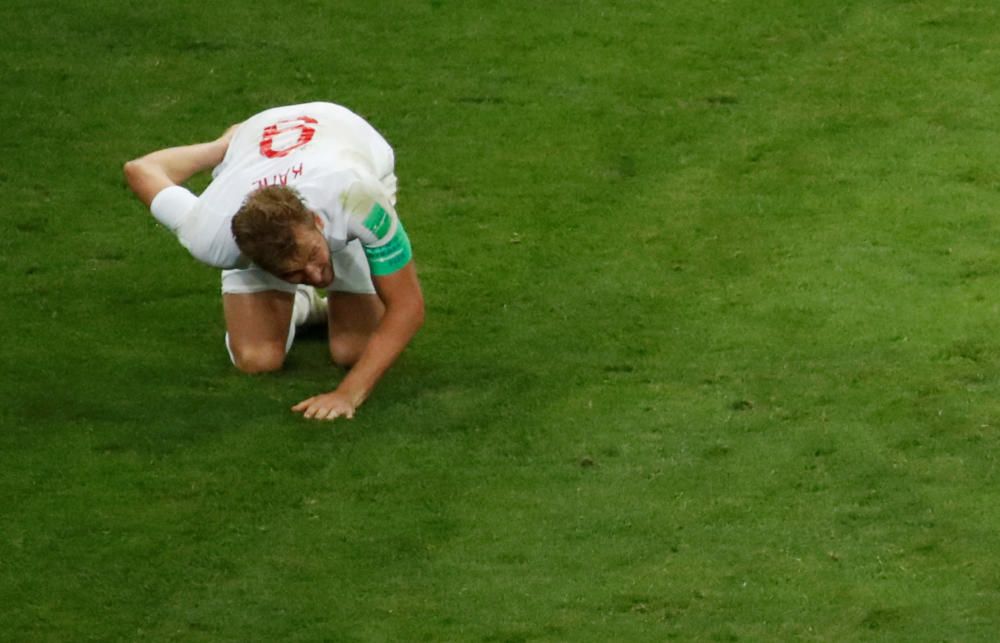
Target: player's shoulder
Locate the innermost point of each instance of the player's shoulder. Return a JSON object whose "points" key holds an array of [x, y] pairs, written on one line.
{"points": [[360, 189]]}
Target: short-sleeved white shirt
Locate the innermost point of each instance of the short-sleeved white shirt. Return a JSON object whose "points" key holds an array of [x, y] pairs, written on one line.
{"points": [[336, 161]]}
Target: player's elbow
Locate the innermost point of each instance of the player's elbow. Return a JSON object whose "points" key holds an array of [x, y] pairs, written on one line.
{"points": [[145, 179], [133, 172], [414, 312], [418, 314], [137, 174]]}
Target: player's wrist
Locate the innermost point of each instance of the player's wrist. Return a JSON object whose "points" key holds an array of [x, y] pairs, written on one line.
{"points": [[218, 152], [355, 397]]}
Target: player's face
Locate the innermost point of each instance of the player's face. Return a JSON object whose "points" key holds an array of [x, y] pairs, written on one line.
{"points": [[311, 265]]}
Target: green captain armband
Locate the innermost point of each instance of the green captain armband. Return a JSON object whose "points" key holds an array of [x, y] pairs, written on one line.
{"points": [[391, 254]]}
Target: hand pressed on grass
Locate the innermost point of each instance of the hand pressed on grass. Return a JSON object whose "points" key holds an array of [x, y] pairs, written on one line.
{"points": [[328, 406]]}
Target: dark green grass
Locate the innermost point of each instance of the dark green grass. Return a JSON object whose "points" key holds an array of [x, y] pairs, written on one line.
{"points": [[710, 350]]}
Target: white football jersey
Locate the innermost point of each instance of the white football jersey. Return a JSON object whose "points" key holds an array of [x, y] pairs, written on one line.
{"points": [[336, 161]]}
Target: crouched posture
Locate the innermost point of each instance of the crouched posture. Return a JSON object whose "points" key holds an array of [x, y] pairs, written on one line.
{"points": [[302, 197]]}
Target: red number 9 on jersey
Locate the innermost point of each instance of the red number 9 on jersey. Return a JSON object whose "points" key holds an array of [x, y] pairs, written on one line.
{"points": [[284, 130]]}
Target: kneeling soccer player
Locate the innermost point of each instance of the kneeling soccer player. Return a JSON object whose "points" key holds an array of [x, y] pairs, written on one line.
{"points": [[302, 197]]}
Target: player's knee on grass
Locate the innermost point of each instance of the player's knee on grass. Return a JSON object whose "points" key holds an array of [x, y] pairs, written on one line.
{"points": [[258, 358], [346, 350]]}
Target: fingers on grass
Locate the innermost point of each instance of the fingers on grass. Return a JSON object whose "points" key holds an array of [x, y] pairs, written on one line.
{"points": [[311, 412]]}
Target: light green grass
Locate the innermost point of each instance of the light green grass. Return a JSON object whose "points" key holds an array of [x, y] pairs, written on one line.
{"points": [[710, 351]]}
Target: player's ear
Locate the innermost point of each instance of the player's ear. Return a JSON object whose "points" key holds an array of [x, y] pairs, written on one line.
{"points": [[319, 222]]}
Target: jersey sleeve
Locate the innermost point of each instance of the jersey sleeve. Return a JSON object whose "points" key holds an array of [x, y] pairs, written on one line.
{"points": [[207, 238], [172, 205], [372, 219]]}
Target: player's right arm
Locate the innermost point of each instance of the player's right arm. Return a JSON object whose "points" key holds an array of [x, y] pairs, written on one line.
{"points": [[149, 175], [156, 179]]}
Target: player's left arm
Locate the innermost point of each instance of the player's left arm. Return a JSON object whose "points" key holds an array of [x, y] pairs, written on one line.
{"points": [[374, 222], [404, 315]]}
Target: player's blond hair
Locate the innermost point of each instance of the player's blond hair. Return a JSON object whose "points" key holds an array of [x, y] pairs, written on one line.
{"points": [[264, 226]]}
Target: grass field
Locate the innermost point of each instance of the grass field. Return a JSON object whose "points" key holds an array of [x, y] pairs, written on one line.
{"points": [[711, 349]]}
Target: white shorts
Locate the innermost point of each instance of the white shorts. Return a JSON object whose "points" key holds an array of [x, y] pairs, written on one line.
{"points": [[350, 274]]}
